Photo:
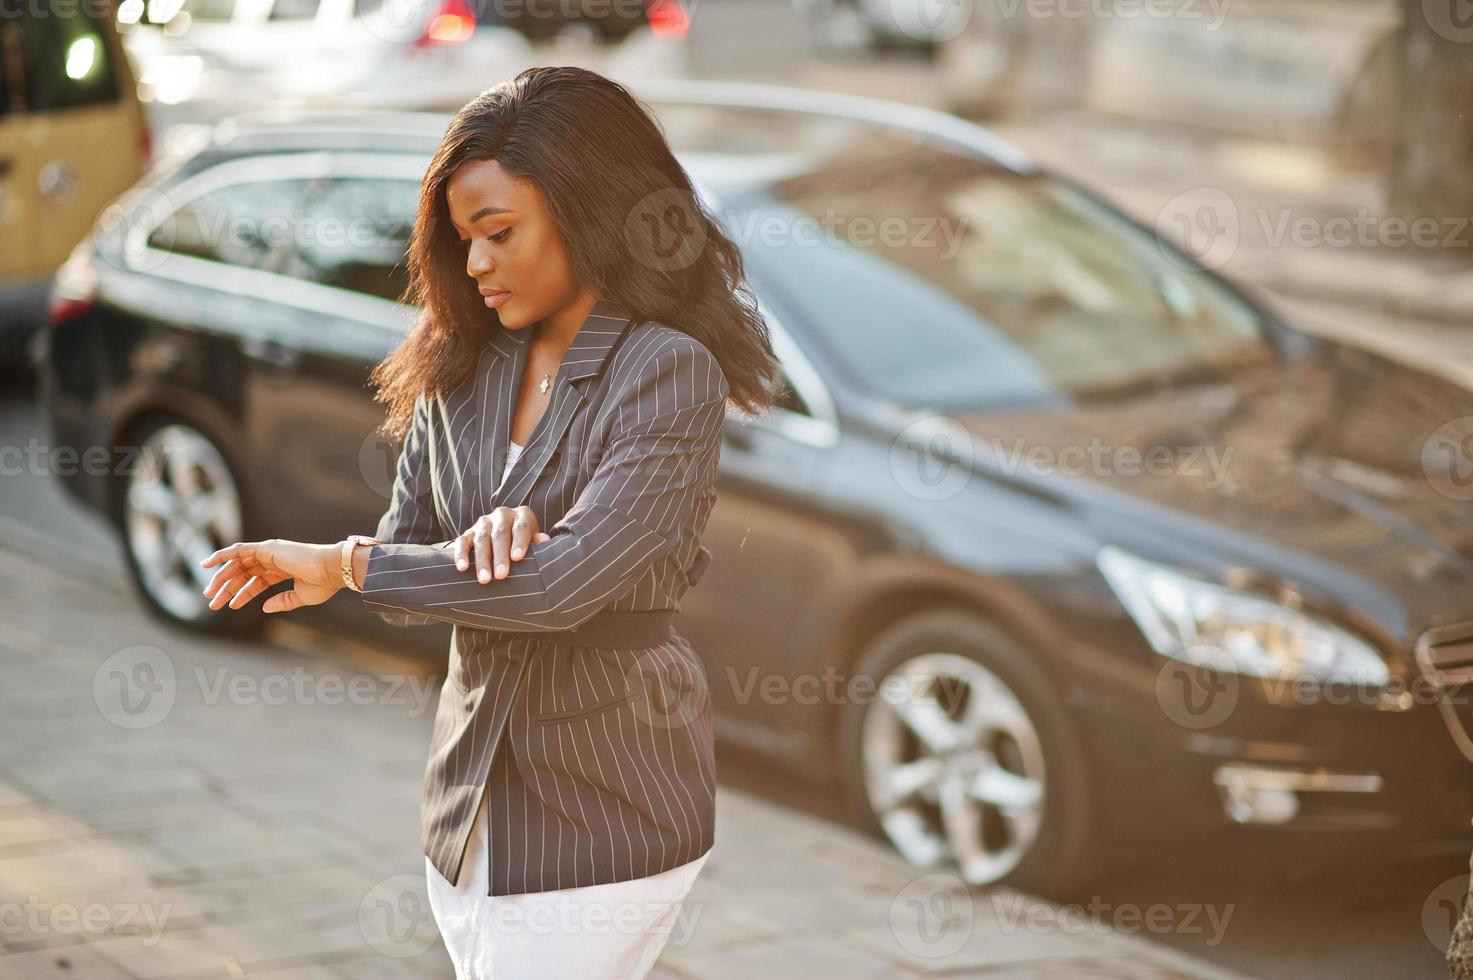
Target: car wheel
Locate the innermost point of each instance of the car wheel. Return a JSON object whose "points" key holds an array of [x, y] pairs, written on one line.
{"points": [[180, 502], [963, 757]]}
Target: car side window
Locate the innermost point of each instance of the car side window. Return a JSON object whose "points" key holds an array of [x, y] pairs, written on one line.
{"points": [[66, 62], [363, 226], [254, 225]]}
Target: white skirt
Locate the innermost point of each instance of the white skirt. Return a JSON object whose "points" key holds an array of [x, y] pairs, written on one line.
{"points": [[615, 930]]}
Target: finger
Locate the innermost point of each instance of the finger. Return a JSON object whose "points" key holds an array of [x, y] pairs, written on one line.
{"points": [[233, 568], [221, 575], [523, 526], [227, 591], [462, 551], [501, 522], [246, 595], [482, 535], [237, 550], [282, 602], [541, 536]]}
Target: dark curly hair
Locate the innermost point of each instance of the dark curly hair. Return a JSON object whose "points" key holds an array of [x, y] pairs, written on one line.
{"points": [[631, 223]]}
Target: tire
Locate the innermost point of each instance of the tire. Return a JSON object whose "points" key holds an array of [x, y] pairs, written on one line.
{"points": [[1042, 840], [166, 530]]}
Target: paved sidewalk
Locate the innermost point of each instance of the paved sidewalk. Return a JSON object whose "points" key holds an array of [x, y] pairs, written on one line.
{"points": [[256, 814]]}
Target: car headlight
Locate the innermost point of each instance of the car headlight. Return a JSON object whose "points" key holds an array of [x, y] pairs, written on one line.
{"points": [[1206, 623]]}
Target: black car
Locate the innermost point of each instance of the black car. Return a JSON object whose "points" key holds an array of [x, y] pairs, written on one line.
{"points": [[1057, 546]]}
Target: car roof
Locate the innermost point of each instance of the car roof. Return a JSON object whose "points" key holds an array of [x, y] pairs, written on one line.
{"points": [[281, 129]]}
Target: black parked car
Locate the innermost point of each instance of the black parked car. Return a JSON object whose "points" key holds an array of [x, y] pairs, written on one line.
{"points": [[1147, 565]]}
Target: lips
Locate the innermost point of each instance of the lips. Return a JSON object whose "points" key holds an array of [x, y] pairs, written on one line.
{"points": [[487, 291]]}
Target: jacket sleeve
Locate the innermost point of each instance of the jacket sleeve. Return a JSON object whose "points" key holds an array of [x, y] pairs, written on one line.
{"points": [[660, 460], [411, 517]]}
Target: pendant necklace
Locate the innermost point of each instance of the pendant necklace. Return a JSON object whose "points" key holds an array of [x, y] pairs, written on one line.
{"points": [[543, 384]]}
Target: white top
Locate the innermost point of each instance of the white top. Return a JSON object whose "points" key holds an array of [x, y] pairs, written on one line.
{"points": [[511, 458]]}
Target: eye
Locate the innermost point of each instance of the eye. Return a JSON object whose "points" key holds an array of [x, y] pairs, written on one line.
{"points": [[500, 236]]}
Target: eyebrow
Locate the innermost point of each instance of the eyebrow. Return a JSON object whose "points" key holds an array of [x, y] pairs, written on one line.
{"points": [[483, 212]]}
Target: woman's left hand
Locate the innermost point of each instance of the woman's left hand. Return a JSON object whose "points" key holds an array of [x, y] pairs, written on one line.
{"points": [[502, 536], [252, 567]]}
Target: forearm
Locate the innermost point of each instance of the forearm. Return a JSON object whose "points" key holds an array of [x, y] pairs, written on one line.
{"points": [[556, 585]]}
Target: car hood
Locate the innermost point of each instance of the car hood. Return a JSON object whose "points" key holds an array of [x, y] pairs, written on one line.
{"points": [[1337, 460]]}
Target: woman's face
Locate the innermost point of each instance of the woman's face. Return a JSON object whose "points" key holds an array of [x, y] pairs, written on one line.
{"points": [[514, 252]]}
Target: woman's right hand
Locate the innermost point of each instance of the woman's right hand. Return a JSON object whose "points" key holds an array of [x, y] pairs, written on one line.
{"points": [[503, 535]]}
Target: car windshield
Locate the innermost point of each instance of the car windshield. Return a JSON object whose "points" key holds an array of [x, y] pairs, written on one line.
{"points": [[936, 278]]}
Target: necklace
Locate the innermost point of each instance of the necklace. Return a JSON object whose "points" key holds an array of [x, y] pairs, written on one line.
{"points": [[543, 384]]}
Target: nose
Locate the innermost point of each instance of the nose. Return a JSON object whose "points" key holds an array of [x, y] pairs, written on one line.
{"points": [[478, 261]]}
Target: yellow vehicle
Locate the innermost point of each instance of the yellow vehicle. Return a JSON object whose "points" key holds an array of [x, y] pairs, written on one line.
{"points": [[72, 137]]}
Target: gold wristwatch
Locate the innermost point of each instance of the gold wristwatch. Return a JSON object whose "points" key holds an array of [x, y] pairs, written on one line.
{"points": [[351, 542]]}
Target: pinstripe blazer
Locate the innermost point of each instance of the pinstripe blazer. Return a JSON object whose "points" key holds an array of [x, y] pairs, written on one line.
{"points": [[591, 780]]}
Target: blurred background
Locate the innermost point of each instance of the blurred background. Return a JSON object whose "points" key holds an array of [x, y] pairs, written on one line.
{"points": [[1127, 426]]}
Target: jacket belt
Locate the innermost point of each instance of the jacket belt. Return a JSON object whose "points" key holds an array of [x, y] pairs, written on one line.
{"points": [[612, 629]]}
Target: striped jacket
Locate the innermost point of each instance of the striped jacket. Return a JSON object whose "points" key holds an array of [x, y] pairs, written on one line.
{"points": [[599, 762]]}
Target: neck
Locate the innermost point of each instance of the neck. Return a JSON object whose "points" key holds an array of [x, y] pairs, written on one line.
{"points": [[556, 331]]}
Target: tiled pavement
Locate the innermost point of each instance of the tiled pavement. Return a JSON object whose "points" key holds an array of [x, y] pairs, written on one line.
{"points": [[256, 814]]}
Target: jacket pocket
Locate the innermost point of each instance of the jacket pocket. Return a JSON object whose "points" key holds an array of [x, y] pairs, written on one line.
{"points": [[587, 711]]}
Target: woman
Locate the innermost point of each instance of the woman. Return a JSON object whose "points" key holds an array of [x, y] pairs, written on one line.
{"points": [[584, 324]]}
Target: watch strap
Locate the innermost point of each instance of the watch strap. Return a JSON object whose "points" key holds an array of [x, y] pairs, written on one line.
{"points": [[350, 543]]}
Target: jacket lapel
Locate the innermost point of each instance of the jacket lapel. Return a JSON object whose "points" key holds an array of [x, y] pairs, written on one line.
{"points": [[584, 358]]}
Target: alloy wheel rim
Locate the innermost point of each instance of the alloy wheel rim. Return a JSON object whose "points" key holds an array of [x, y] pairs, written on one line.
{"points": [[181, 504], [953, 766]]}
